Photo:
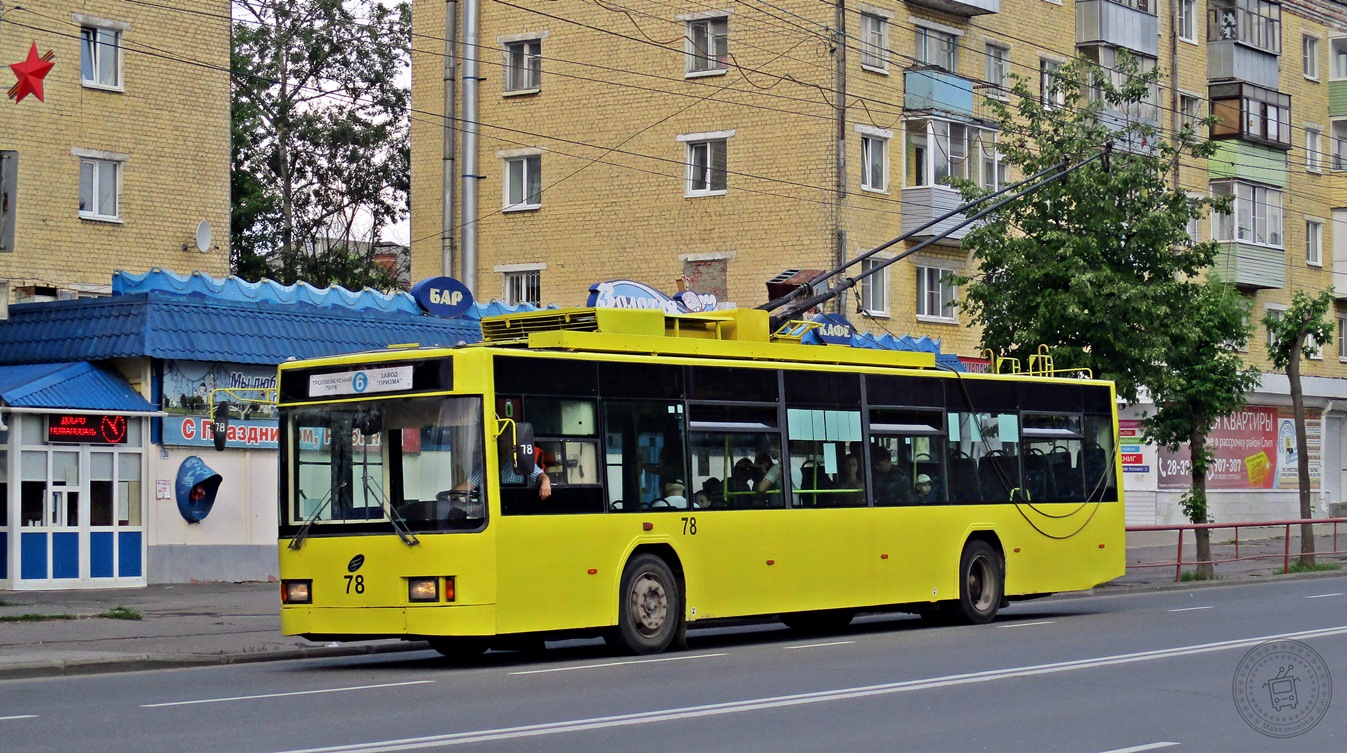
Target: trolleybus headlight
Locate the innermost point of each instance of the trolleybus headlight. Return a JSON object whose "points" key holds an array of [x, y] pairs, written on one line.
{"points": [[423, 589], [296, 592], [449, 588]]}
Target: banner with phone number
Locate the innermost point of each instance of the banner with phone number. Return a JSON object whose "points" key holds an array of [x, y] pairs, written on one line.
{"points": [[1252, 449]]}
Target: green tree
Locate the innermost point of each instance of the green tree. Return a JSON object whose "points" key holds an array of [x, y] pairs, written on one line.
{"points": [[320, 121], [1202, 379], [1299, 332], [1096, 265]]}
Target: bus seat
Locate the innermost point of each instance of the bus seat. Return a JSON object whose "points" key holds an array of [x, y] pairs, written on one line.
{"points": [[963, 479]]}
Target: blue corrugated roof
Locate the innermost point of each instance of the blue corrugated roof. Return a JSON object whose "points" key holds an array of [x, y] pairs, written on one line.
{"points": [[158, 324], [67, 385]]}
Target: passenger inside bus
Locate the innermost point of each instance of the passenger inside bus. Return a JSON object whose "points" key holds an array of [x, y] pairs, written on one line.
{"points": [[924, 490], [712, 494], [891, 486], [850, 483]]}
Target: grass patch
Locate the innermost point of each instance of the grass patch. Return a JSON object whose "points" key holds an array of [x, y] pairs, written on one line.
{"points": [[35, 617], [1192, 576], [1317, 567], [120, 613], [7, 603]]}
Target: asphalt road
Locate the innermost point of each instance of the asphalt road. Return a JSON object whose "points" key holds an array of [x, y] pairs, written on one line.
{"points": [[1119, 672]]}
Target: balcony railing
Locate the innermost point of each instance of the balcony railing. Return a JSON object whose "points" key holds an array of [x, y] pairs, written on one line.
{"points": [[962, 7]]}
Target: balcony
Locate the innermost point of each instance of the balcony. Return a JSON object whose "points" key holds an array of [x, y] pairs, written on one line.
{"points": [[921, 204], [1130, 24], [935, 90], [1250, 113], [1250, 266], [1246, 161], [1244, 42], [965, 8]]}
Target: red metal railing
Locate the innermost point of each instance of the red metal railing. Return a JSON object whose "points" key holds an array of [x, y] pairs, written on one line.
{"points": [[1286, 555]]}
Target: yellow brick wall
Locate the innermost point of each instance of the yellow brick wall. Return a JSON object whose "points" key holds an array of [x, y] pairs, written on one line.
{"points": [[621, 213], [171, 121]]}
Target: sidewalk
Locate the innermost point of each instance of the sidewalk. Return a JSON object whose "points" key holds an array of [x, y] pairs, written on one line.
{"points": [[225, 623]]}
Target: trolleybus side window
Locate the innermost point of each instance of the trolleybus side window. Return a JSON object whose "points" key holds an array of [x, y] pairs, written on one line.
{"points": [[827, 460], [1098, 458], [566, 435], [706, 383], [646, 456], [907, 456], [1052, 442], [736, 456]]}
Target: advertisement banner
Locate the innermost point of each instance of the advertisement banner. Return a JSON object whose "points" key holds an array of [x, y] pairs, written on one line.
{"points": [[186, 392], [1252, 449]]}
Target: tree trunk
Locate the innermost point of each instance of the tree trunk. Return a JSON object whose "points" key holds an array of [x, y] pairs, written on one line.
{"points": [[1197, 445], [1302, 456]]}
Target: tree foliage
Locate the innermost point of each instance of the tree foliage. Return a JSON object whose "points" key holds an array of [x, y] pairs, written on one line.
{"points": [[1301, 331], [1097, 265], [320, 122]]}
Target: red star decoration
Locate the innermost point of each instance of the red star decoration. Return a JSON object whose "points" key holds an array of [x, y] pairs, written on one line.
{"points": [[30, 73]]}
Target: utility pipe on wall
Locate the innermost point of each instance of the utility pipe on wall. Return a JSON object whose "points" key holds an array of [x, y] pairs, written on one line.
{"points": [[468, 217]]}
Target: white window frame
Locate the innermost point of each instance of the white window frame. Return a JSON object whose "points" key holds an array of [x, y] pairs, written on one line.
{"points": [[998, 70], [1186, 12], [947, 294], [1342, 339], [101, 26], [530, 161], [937, 46], [1254, 214], [1047, 76], [1314, 241], [515, 276], [1314, 148], [714, 60], [100, 161], [1337, 58], [871, 139], [875, 39], [946, 153], [700, 181], [527, 77], [1195, 223], [874, 292], [1278, 311], [1337, 130], [1309, 55], [1191, 116]]}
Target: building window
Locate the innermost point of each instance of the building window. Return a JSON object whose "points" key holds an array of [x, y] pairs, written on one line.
{"points": [[1257, 23], [523, 65], [523, 287], [1276, 316], [100, 57], [1339, 144], [1314, 149], [1309, 52], [523, 182], [1190, 110], [708, 45], [874, 163], [1342, 343], [875, 288], [1314, 242], [874, 42], [1106, 57], [9, 199], [1255, 218], [1187, 20], [998, 70], [938, 48], [935, 294], [706, 167], [1195, 223], [939, 149], [1252, 113], [1049, 91], [1337, 48], [99, 189]]}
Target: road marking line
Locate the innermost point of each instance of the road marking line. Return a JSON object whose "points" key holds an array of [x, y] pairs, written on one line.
{"points": [[614, 664], [18, 716], [1323, 596], [282, 695], [818, 645], [1139, 748], [800, 699], [1026, 624], [1191, 609]]}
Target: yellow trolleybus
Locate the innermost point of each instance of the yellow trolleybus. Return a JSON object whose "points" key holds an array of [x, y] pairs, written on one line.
{"points": [[628, 473]]}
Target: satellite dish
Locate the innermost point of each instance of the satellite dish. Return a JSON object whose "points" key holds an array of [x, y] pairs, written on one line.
{"points": [[203, 236]]}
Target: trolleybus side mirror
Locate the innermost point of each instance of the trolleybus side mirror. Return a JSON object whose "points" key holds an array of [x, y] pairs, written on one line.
{"points": [[516, 448], [219, 424]]}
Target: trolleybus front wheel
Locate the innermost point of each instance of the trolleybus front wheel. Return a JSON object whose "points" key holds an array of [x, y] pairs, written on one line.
{"points": [[982, 584], [650, 610]]}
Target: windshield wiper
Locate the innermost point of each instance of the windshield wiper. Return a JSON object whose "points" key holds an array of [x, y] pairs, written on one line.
{"points": [[303, 533], [394, 517]]}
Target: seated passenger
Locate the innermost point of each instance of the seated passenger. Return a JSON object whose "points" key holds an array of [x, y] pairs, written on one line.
{"points": [[674, 492], [890, 488], [711, 495], [924, 491]]}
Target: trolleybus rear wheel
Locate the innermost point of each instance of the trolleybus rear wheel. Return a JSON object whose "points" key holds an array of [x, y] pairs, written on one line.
{"points": [[650, 610], [982, 584]]}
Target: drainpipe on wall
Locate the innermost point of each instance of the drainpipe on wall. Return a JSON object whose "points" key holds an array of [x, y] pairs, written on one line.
{"points": [[1324, 502], [839, 238], [468, 217], [449, 176]]}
